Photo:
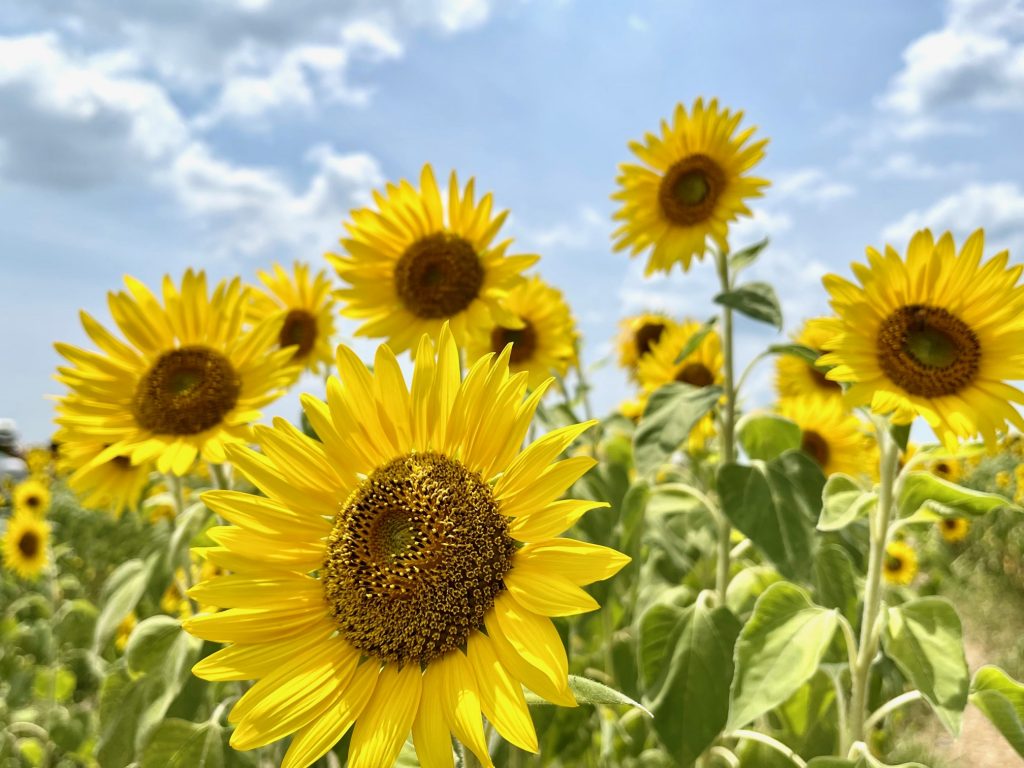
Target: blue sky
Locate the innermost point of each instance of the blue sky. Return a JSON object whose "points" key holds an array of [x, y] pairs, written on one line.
{"points": [[143, 138]]}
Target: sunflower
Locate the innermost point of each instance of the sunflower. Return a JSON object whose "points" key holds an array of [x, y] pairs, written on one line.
{"points": [[700, 368], [25, 543], [945, 467], [546, 340], [401, 573], [954, 529], [899, 566], [32, 496], [831, 435], [306, 306], [690, 186], [795, 377], [102, 481], [411, 265], [936, 335], [637, 334], [187, 383]]}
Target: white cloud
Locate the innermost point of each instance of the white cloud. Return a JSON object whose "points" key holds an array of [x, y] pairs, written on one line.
{"points": [[79, 120], [764, 223], [997, 207], [975, 60], [904, 165], [254, 211], [810, 186], [637, 23], [589, 230]]}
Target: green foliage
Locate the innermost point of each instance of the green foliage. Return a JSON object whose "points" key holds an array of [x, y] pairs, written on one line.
{"points": [[671, 413], [765, 436], [779, 649], [686, 668], [182, 744], [755, 300], [926, 498], [925, 639], [844, 501], [1001, 699]]}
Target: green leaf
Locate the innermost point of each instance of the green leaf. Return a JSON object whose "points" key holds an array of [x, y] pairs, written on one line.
{"points": [[744, 257], [925, 639], [75, 623], [1001, 699], [150, 642], [53, 684], [775, 506], [671, 413], [694, 341], [835, 581], [748, 585], [180, 744], [901, 434], [686, 667], [634, 504], [807, 354], [765, 436], [589, 691], [123, 590], [927, 498], [755, 300], [779, 650], [844, 501]]}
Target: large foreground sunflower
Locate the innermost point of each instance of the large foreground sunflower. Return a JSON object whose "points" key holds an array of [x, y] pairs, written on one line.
{"points": [[25, 544], [32, 496], [102, 481], [637, 334], [546, 342], [832, 435], [400, 574], [795, 377], [413, 265], [188, 381], [701, 368], [936, 335], [690, 186], [304, 304]]}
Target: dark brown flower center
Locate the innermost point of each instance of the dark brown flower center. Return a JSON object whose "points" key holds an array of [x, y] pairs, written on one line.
{"points": [[893, 563], [123, 463], [28, 544], [438, 276], [188, 390], [32, 500], [815, 446], [690, 189], [950, 524], [416, 558], [822, 382], [696, 375], [523, 341], [928, 351], [299, 330], [647, 336]]}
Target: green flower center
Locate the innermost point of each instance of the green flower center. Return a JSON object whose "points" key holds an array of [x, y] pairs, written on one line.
{"points": [[438, 276], [690, 189], [187, 391]]}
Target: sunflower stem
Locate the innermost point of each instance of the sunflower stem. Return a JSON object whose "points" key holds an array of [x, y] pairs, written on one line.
{"points": [[869, 634], [728, 428], [177, 487], [221, 478]]}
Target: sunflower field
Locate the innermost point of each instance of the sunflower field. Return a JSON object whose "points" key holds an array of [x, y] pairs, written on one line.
{"points": [[448, 559]]}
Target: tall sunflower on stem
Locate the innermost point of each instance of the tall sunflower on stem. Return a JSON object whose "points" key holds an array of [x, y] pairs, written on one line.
{"points": [[412, 265], [399, 575], [691, 185], [24, 545], [187, 382]]}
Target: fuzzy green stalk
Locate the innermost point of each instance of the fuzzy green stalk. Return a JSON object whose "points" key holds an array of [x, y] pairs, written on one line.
{"points": [[878, 526], [728, 436], [177, 486]]}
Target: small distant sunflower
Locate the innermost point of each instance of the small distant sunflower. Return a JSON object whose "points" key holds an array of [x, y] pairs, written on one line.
{"points": [[899, 564], [954, 529], [795, 377], [831, 435], [545, 343], [38, 460], [399, 575], [701, 368], [110, 483], [1003, 479], [32, 496], [307, 307], [947, 468], [188, 382], [637, 334], [124, 631], [936, 335], [25, 544], [412, 265], [690, 186]]}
